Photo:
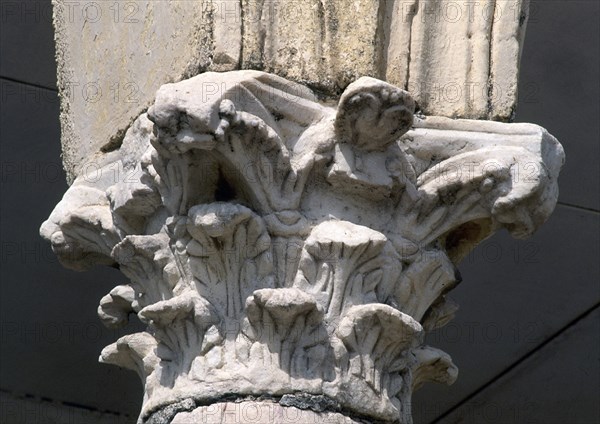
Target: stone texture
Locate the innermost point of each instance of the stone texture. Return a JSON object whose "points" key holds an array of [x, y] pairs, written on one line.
{"points": [[257, 413], [459, 59], [111, 59], [278, 245]]}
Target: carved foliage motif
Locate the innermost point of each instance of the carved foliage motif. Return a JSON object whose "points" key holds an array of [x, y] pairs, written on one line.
{"points": [[275, 244]]}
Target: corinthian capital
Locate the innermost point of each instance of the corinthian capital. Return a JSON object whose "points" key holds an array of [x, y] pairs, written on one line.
{"points": [[288, 250]]}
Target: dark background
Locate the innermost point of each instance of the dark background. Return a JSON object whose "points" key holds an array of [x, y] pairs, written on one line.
{"points": [[526, 339]]}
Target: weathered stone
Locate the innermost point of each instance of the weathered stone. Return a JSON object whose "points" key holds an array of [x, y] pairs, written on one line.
{"points": [[258, 413], [283, 247], [458, 59]]}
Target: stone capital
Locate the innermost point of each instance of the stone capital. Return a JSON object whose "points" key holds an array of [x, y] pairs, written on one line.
{"points": [[290, 251]]}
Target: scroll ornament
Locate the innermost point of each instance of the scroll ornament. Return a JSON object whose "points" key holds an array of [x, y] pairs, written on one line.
{"points": [[281, 245]]}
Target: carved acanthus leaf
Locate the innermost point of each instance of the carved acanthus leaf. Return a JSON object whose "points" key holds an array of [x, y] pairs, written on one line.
{"points": [[277, 245]]}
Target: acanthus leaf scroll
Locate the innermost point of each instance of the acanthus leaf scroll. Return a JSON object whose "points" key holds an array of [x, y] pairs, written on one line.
{"points": [[276, 244]]}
